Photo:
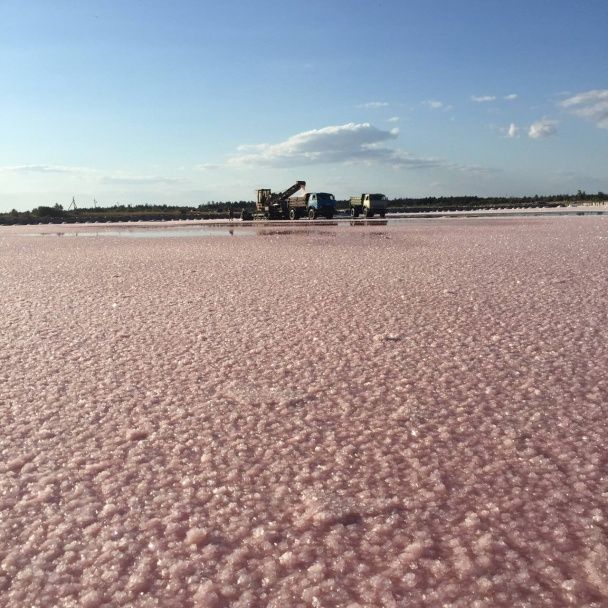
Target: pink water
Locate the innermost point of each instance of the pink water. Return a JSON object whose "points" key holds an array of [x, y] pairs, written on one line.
{"points": [[403, 415]]}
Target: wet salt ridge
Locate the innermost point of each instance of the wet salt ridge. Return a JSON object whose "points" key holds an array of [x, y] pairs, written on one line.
{"points": [[402, 415]]}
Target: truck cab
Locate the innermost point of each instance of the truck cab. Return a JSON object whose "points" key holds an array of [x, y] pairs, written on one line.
{"points": [[321, 203], [312, 205], [368, 204]]}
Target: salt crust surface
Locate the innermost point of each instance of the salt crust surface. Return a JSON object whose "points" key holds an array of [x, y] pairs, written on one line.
{"points": [[401, 415]]}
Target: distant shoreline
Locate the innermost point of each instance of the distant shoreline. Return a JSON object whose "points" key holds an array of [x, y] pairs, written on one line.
{"points": [[410, 207]]}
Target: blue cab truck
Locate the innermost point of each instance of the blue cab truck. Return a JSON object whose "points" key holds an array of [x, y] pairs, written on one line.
{"points": [[312, 205], [284, 205]]}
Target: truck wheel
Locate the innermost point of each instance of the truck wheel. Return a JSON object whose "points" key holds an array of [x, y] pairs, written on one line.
{"points": [[382, 214], [353, 213], [312, 214], [366, 212], [293, 214], [329, 215]]}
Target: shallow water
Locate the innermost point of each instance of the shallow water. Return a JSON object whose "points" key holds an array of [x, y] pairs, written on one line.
{"points": [[145, 233], [410, 414], [215, 228]]}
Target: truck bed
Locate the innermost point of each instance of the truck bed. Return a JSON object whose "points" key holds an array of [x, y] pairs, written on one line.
{"points": [[297, 201]]}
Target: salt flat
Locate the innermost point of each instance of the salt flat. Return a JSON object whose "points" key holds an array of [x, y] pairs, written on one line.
{"points": [[410, 414]]}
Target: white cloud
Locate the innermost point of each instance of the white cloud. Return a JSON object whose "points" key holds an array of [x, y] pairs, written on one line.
{"points": [[487, 98], [542, 128], [374, 104], [348, 143], [592, 105], [394, 119], [512, 131], [434, 104]]}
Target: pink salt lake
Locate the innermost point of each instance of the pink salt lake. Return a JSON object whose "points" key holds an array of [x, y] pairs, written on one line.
{"points": [[362, 416]]}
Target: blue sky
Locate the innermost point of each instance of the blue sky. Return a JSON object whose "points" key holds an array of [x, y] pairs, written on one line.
{"points": [[187, 102]]}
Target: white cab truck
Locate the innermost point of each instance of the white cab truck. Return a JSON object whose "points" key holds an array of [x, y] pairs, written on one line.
{"points": [[368, 205]]}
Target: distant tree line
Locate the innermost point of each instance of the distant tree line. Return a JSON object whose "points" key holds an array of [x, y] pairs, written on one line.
{"points": [[446, 203], [123, 213], [221, 209]]}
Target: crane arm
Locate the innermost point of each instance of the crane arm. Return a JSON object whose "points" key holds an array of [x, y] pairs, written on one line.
{"points": [[281, 196]]}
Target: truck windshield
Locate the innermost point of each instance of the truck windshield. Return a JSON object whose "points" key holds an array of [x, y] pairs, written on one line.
{"points": [[377, 197], [325, 196]]}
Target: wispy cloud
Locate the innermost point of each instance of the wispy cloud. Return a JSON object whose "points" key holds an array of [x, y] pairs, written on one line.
{"points": [[394, 119], [86, 173], [374, 104], [208, 167], [482, 98], [487, 98], [435, 104], [399, 159], [47, 169], [542, 129], [138, 180], [592, 105], [477, 170], [512, 131]]}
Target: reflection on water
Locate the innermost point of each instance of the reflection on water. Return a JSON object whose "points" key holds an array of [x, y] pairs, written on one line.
{"points": [[305, 228], [301, 232], [266, 229], [157, 233], [368, 222]]}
